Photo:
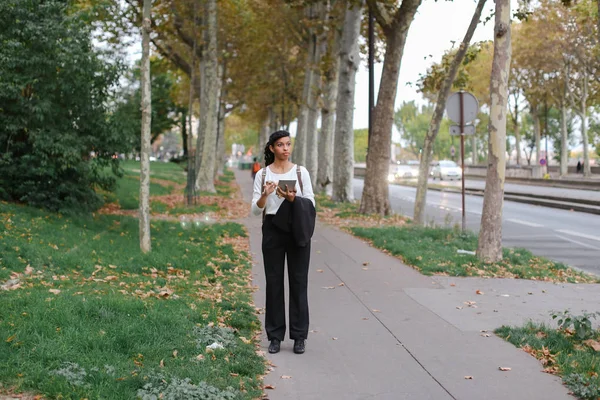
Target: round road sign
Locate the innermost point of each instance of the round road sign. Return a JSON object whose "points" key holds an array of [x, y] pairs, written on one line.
{"points": [[470, 107]]}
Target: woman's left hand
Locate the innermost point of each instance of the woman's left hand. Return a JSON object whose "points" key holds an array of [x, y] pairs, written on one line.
{"points": [[289, 195]]}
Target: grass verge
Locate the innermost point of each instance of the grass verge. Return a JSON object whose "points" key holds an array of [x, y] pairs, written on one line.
{"points": [[165, 178], [85, 314], [442, 251], [561, 352], [167, 200]]}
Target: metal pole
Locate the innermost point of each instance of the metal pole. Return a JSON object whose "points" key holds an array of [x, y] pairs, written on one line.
{"points": [[462, 159], [371, 74]]}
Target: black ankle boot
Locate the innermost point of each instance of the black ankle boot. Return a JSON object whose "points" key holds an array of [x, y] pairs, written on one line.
{"points": [[274, 346], [299, 346]]}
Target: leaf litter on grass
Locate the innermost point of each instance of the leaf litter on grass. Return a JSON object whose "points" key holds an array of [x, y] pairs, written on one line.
{"points": [[224, 285]]}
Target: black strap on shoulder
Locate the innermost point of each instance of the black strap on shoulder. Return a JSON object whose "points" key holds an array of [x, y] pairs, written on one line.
{"points": [[262, 186], [300, 179]]}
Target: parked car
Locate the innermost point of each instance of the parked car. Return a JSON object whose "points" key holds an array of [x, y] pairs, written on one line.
{"points": [[446, 169], [404, 171]]}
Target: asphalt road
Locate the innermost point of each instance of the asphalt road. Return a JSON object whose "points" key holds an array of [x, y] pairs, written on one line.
{"points": [[566, 236]]}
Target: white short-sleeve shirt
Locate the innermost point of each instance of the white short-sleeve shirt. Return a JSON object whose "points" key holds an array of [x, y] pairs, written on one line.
{"points": [[273, 202]]}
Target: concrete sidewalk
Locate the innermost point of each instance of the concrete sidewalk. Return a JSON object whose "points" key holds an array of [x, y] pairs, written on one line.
{"points": [[381, 330]]}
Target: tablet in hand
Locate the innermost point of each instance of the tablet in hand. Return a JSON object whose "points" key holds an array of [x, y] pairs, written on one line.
{"points": [[291, 184]]}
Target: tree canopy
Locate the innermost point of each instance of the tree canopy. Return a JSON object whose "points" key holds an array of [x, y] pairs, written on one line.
{"points": [[55, 133]]}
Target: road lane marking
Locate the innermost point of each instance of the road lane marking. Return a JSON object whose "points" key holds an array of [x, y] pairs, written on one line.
{"points": [[582, 235], [518, 221], [578, 242]]}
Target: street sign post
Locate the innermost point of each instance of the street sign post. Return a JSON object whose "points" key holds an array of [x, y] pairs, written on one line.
{"points": [[462, 108], [467, 130]]}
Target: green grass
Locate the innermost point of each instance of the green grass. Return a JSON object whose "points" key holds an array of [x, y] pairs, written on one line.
{"points": [[162, 208], [168, 171], [325, 202], [434, 251], [576, 363], [128, 186], [122, 319], [127, 192]]}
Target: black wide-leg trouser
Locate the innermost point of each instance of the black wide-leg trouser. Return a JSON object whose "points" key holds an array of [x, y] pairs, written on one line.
{"points": [[276, 244]]}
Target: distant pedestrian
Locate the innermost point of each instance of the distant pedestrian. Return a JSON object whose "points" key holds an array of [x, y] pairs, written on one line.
{"points": [[579, 166], [288, 224], [255, 167]]}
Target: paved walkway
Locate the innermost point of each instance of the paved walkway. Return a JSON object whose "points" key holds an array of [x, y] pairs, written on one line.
{"points": [[381, 330]]}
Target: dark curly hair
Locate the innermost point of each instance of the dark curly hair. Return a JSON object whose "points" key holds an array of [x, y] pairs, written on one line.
{"points": [[275, 136]]}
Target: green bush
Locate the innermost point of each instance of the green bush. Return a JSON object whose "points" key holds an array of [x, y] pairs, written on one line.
{"points": [[56, 134]]}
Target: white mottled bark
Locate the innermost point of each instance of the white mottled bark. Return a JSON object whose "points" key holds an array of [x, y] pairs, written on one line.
{"points": [[583, 111], [343, 153], [564, 135], [489, 248], [330, 89], [145, 240], [209, 102]]}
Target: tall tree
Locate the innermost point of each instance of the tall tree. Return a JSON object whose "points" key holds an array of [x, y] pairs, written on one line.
{"points": [[489, 247], [301, 140], [438, 113], [394, 21], [330, 65], [582, 66], [315, 101], [209, 101], [349, 59], [146, 106]]}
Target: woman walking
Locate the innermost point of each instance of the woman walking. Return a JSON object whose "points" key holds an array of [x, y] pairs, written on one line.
{"points": [[288, 223]]}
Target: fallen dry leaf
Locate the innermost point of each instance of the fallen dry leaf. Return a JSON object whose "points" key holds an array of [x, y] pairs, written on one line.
{"points": [[504, 368], [234, 374], [175, 354], [243, 339], [28, 270], [269, 387], [341, 284], [162, 363], [319, 270], [54, 291], [328, 287], [478, 292], [453, 284], [376, 310], [593, 344], [111, 278], [286, 377], [468, 377], [200, 357], [366, 263], [365, 269], [334, 338]]}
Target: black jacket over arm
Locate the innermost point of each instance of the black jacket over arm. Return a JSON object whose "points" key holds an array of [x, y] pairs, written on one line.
{"points": [[297, 217]]}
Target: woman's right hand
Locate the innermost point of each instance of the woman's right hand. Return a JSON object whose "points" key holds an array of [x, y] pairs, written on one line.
{"points": [[269, 188]]}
